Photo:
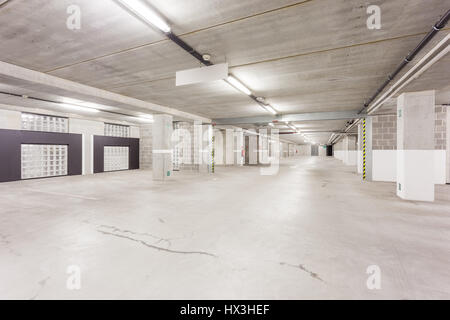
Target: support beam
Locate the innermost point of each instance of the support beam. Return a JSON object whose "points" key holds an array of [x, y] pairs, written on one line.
{"points": [[314, 116], [38, 81]]}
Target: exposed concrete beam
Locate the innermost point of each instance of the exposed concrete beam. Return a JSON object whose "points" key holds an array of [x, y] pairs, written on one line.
{"points": [[314, 116], [31, 76]]}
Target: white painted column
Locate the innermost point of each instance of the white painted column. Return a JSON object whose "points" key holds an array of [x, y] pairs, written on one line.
{"points": [[263, 145], [206, 165], [253, 149], [229, 147], [219, 153], [239, 147], [88, 129], [350, 150], [367, 151], [162, 147], [415, 145]]}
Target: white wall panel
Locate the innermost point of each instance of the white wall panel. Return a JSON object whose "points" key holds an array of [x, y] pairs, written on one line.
{"points": [[10, 120]]}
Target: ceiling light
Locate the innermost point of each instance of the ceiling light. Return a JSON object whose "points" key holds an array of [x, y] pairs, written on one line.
{"points": [[78, 108], [146, 13], [238, 85], [269, 108], [146, 117]]}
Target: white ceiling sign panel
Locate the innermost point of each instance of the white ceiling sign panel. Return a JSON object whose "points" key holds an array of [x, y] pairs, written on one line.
{"points": [[204, 74]]}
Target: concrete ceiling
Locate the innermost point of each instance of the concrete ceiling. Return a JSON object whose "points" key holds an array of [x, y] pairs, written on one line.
{"points": [[303, 56]]}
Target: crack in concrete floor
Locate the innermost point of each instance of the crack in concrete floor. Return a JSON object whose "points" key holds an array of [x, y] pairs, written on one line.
{"points": [[303, 268], [41, 284], [153, 246], [159, 239]]}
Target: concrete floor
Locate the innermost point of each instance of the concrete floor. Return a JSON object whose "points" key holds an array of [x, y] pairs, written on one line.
{"points": [[309, 232]]}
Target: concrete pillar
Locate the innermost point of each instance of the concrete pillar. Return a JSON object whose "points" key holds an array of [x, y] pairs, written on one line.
{"points": [[206, 148], [239, 147], [350, 150], [263, 145], [252, 149], [415, 145], [229, 147], [219, 140], [162, 146]]}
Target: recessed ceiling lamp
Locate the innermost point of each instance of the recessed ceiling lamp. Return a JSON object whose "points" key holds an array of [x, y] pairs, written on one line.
{"points": [[238, 85], [146, 13]]}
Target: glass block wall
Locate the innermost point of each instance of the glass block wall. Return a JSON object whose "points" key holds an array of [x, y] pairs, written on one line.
{"points": [[116, 158], [40, 161], [117, 130], [38, 122]]}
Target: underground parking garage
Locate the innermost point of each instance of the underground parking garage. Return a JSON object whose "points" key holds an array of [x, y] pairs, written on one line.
{"points": [[224, 150]]}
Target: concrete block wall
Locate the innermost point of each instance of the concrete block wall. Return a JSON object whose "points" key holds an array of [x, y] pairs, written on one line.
{"points": [[440, 133], [384, 135], [440, 145], [384, 147]]}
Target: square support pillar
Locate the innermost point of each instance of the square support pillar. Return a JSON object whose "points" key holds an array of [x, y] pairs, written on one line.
{"points": [[239, 147], [162, 147], [415, 145], [253, 149], [350, 152], [263, 147], [229, 147], [206, 148]]}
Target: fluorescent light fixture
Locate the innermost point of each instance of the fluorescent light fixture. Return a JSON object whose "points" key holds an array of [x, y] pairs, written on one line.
{"points": [[146, 13], [78, 108], [269, 108], [238, 85], [146, 117]]}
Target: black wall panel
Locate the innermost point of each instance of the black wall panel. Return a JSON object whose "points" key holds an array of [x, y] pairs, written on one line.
{"points": [[10, 150], [99, 145], [329, 151]]}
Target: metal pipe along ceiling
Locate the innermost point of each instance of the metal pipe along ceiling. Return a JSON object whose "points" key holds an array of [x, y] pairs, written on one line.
{"points": [[436, 28]]}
